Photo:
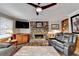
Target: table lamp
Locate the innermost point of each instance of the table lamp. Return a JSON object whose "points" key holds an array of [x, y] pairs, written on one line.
{"points": [[9, 31]]}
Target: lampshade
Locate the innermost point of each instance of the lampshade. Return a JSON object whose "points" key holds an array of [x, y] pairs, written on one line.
{"points": [[10, 31], [49, 32], [55, 31], [38, 9]]}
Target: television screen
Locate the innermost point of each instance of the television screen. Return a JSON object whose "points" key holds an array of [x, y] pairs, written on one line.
{"points": [[21, 24]]}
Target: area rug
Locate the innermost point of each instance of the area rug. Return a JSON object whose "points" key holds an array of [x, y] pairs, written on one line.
{"points": [[37, 51]]}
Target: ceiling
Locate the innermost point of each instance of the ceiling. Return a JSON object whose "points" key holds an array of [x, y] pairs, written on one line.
{"points": [[25, 11]]}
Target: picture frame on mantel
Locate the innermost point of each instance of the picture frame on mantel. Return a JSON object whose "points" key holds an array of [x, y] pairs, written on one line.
{"points": [[75, 24], [39, 24], [54, 26]]}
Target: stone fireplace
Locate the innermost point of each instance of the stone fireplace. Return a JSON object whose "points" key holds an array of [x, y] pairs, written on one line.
{"points": [[39, 29]]}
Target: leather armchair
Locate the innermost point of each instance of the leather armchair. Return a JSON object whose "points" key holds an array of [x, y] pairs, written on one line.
{"points": [[64, 42]]}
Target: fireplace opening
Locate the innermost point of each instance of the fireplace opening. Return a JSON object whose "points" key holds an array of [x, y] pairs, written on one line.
{"points": [[39, 36]]}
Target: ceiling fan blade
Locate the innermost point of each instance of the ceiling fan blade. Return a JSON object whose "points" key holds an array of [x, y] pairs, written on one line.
{"points": [[47, 6], [37, 13], [33, 5]]}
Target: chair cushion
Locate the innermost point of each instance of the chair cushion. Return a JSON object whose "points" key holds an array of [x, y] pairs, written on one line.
{"points": [[4, 45]]}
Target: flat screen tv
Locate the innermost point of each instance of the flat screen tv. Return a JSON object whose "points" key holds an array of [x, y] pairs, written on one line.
{"points": [[21, 24]]}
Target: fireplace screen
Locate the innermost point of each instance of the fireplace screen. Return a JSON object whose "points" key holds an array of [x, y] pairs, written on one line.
{"points": [[39, 36]]}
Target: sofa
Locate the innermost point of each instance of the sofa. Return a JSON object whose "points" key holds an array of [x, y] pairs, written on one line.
{"points": [[64, 42], [7, 49]]}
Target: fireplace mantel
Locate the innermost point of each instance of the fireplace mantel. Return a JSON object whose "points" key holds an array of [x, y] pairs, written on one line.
{"points": [[43, 30]]}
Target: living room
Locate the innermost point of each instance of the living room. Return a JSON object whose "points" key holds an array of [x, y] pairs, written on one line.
{"points": [[23, 27]]}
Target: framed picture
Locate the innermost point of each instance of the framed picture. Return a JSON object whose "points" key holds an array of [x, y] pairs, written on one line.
{"points": [[75, 24], [54, 26], [39, 24], [65, 25]]}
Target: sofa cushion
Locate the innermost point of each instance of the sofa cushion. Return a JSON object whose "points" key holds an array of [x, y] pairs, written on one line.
{"points": [[67, 38], [4, 45], [59, 44], [59, 36]]}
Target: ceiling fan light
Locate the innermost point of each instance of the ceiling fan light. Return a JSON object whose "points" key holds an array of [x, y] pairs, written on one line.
{"points": [[38, 9]]}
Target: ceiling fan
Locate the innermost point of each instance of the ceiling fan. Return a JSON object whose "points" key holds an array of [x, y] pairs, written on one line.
{"points": [[41, 8]]}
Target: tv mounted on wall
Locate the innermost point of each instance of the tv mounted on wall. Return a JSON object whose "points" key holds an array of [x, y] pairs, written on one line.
{"points": [[21, 24]]}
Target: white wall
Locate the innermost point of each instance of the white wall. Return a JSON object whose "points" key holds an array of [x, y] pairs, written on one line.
{"points": [[22, 31], [55, 22]]}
